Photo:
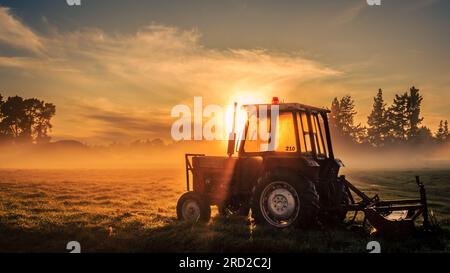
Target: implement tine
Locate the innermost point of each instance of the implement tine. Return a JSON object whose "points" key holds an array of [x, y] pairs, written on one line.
{"points": [[423, 201]]}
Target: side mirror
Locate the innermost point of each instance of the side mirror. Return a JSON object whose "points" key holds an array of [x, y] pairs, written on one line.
{"points": [[231, 144]]}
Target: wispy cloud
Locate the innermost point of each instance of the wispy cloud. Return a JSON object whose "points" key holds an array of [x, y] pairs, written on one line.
{"points": [[127, 123], [159, 65], [14, 33], [351, 13]]}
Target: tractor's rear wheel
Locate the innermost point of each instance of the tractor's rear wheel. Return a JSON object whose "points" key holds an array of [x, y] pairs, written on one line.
{"points": [[282, 200], [193, 207]]}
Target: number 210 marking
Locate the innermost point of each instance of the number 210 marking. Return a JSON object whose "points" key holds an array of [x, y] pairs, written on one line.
{"points": [[290, 148]]}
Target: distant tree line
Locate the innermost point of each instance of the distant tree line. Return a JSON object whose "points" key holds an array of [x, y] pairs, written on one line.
{"points": [[29, 121], [25, 120], [398, 123]]}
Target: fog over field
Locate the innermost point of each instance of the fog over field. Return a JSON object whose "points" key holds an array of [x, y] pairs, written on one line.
{"points": [[151, 154]]}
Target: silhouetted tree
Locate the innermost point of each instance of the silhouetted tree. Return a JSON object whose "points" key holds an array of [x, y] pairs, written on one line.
{"points": [[25, 120], [41, 114], [423, 136], [442, 133], [2, 130], [398, 123], [377, 121], [446, 130], [342, 119], [13, 118], [1, 103], [397, 117], [413, 113], [335, 116]]}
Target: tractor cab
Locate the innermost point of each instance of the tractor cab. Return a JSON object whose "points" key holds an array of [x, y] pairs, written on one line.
{"points": [[287, 129]]}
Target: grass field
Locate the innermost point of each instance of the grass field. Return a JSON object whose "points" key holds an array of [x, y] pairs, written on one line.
{"points": [[134, 211]]}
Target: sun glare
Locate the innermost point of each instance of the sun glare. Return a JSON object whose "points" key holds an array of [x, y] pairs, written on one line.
{"points": [[241, 119], [242, 98], [255, 97]]}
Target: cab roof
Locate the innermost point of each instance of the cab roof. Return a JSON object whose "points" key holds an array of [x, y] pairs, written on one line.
{"points": [[292, 107]]}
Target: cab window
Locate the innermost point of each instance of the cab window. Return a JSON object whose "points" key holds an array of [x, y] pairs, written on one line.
{"points": [[285, 136], [318, 135], [282, 139], [322, 135], [304, 133], [253, 140]]}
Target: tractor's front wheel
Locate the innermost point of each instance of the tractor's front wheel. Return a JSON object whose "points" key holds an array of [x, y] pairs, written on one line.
{"points": [[283, 200], [193, 207]]}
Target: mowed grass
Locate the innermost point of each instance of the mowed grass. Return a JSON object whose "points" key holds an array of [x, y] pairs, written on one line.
{"points": [[135, 211]]}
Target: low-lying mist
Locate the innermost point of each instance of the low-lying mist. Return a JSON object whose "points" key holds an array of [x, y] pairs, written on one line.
{"points": [[73, 155], [395, 157]]}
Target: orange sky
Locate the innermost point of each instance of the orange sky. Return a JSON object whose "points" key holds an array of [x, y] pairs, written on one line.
{"points": [[120, 86]]}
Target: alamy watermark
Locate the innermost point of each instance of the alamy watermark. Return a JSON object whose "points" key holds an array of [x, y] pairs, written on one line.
{"points": [[373, 247], [373, 2], [213, 122], [73, 247], [73, 2]]}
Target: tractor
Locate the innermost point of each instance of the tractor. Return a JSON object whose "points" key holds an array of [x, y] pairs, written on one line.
{"points": [[288, 179]]}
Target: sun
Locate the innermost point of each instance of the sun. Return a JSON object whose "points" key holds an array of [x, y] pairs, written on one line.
{"points": [[240, 118]]}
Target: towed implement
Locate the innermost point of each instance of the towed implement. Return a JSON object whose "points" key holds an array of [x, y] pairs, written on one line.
{"points": [[290, 178], [395, 217]]}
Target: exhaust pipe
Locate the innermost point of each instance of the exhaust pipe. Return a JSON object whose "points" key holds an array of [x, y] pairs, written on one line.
{"points": [[232, 136]]}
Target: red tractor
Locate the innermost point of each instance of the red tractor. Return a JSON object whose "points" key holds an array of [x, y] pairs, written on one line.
{"points": [[290, 179]]}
